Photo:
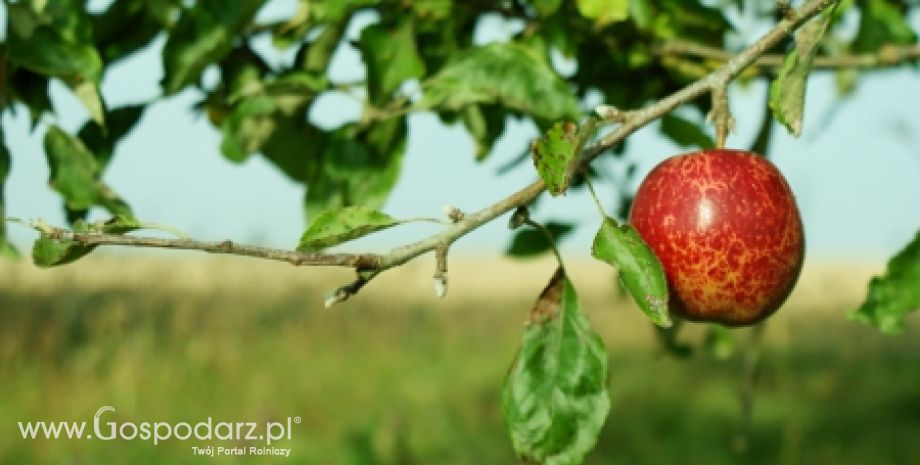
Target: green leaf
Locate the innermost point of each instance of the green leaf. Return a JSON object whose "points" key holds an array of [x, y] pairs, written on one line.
{"points": [[509, 73], [668, 339], [895, 294], [433, 11], [296, 148], [556, 153], [486, 123], [75, 174], [250, 124], [391, 58], [51, 251], [129, 25], [32, 90], [333, 227], [685, 133], [787, 91], [73, 169], [52, 44], [56, 247], [316, 56], [329, 12], [116, 225], [530, 242], [358, 167], [295, 28], [55, 39], [203, 35], [680, 18], [881, 22], [270, 116], [639, 269], [311, 14], [6, 249], [604, 12], [641, 13], [102, 141], [547, 7], [88, 93], [297, 86], [555, 397]]}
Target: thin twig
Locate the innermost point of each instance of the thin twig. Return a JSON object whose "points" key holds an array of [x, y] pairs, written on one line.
{"points": [[357, 261], [373, 264], [889, 55]]}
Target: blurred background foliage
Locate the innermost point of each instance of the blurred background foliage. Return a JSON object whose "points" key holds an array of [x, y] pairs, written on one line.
{"points": [[564, 58]]}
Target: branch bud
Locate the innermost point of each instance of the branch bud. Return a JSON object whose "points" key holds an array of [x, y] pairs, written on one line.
{"points": [[453, 213], [440, 271], [520, 216], [609, 113], [440, 285], [335, 297]]}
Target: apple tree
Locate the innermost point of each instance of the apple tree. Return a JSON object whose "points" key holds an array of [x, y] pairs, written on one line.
{"points": [[643, 58]]}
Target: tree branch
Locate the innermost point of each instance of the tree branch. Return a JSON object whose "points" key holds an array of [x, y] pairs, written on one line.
{"points": [[370, 265], [888, 55], [634, 120], [357, 261]]}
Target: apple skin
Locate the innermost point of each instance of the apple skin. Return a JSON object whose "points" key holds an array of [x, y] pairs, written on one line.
{"points": [[727, 230]]}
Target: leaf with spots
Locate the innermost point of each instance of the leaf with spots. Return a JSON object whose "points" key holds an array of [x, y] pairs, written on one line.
{"points": [[51, 251], [895, 294], [639, 269], [555, 398], [58, 247], [556, 154], [333, 227]]}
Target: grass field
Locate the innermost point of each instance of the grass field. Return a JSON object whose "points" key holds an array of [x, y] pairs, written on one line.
{"points": [[396, 376]]}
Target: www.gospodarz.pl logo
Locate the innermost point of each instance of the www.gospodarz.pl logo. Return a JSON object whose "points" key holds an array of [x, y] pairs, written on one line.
{"points": [[106, 428]]}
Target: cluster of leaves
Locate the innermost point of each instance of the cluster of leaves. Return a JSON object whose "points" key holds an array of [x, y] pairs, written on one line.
{"points": [[555, 398]]}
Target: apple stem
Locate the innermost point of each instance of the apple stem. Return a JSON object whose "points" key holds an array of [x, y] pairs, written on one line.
{"points": [[721, 115]]}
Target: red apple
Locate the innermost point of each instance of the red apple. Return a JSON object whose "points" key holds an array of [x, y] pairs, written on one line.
{"points": [[726, 228]]}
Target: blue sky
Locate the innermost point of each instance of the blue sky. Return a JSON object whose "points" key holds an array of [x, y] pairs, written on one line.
{"points": [[856, 174]]}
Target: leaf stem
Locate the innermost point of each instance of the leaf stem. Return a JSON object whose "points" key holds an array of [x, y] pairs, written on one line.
{"points": [[597, 200], [549, 238]]}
